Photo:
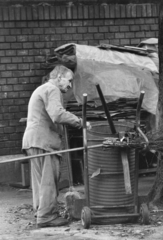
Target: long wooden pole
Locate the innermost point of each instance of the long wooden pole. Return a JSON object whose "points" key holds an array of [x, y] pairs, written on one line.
{"points": [[50, 153]]}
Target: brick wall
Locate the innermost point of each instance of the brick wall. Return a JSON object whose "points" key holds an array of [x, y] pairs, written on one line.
{"points": [[27, 33]]}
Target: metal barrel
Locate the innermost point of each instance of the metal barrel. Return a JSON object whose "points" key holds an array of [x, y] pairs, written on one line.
{"points": [[107, 188]]}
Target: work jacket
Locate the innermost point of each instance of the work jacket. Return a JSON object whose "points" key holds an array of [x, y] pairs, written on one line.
{"points": [[45, 118]]}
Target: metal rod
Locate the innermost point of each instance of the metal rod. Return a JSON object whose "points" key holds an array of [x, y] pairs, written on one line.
{"points": [[68, 158], [107, 207], [50, 153], [111, 124], [86, 178], [140, 101], [115, 216]]}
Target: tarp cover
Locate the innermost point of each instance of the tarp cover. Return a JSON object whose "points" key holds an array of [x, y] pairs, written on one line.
{"points": [[120, 75]]}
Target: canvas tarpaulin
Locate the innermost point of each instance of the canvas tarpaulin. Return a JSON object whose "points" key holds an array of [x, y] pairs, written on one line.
{"points": [[120, 75]]}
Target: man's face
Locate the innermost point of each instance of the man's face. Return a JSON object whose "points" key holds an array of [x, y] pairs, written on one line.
{"points": [[65, 83]]}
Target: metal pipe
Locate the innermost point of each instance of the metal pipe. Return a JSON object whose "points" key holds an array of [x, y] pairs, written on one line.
{"points": [[140, 101], [86, 179], [50, 153], [111, 124]]}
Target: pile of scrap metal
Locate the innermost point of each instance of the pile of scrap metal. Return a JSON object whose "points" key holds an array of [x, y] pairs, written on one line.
{"points": [[121, 72]]}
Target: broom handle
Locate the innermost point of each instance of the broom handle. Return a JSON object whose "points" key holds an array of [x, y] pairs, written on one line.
{"points": [[111, 124], [140, 101], [86, 179]]}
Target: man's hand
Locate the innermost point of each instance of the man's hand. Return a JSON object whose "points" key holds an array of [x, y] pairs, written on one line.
{"points": [[88, 125]]}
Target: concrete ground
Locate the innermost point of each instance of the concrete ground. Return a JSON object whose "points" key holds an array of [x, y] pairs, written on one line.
{"points": [[17, 220]]}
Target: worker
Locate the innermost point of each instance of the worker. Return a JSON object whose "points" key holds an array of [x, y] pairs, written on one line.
{"points": [[43, 134]]}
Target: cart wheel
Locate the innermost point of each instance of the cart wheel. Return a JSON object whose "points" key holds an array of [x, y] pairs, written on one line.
{"points": [[144, 214], [86, 217]]}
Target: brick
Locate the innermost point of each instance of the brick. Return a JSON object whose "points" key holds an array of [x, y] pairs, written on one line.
{"points": [[117, 11], [20, 24], [17, 13], [15, 32], [2, 67], [64, 12], [139, 10], [3, 95], [39, 45], [119, 21], [154, 27], [10, 52], [18, 74], [139, 21], [28, 59], [77, 36], [29, 12], [24, 80], [45, 38], [114, 28], [2, 53], [85, 11], [98, 36], [33, 24], [2, 81], [107, 11], [72, 30], [4, 32], [23, 66], [149, 10], [75, 12], [13, 95], [27, 31], [2, 39], [14, 136], [108, 22], [93, 42], [124, 42], [81, 29], [39, 72], [140, 35], [40, 12], [86, 23], [11, 13], [52, 12], [103, 29], [58, 12], [124, 28], [149, 34], [154, 10], [109, 36], [38, 31], [14, 123], [133, 10], [56, 37], [129, 21], [9, 130], [19, 101], [144, 10], [6, 74], [5, 59], [28, 73], [106, 41], [119, 35], [16, 45], [5, 13], [34, 13], [112, 11], [9, 24], [149, 21], [91, 11], [7, 88], [10, 39], [35, 66], [130, 35], [23, 13], [34, 52], [1, 25], [128, 10], [22, 38], [114, 41], [135, 41], [28, 45], [20, 129], [12, 81], [67, 36], [83, 42], [80, 12], [43, 24], [35, 80], [123, 11], [92, 29], [29, 87], [11, 67], [26, 94], [16, 59], [46, 12], [88, 36], [134, 28], [60, 30]]}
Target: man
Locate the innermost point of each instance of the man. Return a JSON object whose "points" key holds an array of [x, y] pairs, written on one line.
{"points": [[43, 134]]}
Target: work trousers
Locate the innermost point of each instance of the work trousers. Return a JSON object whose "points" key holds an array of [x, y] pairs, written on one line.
{"points": [[45, 174]]}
